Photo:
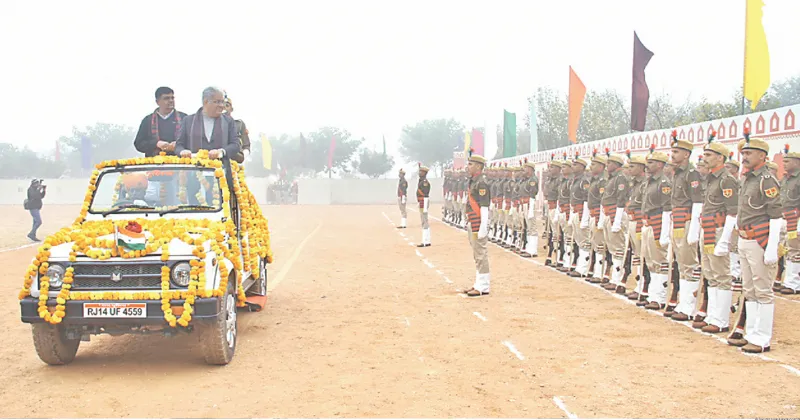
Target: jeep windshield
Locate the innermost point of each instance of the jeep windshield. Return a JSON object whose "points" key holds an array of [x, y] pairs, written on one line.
{"points": [[167, 189]]}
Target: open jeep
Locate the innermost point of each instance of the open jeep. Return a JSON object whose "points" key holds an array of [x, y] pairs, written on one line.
{"points": [[163, 245]]}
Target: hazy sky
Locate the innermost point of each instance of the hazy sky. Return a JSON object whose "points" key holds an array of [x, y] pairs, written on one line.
{"points": [[368, 66]]}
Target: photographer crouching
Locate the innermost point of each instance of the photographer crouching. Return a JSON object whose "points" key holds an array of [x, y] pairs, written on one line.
{"points": [[33, 204]]}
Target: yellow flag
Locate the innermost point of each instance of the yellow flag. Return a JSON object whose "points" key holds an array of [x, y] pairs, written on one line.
{"points": [[467, 144], [266, 151], [756, 54]]}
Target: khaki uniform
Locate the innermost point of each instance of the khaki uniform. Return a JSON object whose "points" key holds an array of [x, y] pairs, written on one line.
{"points": [[478, 200], [551, 219], [508, 202], [790, 201], [719, 216], [402, 198], [597, 186], [581, 223], [244, 140], [615, 198], [566, 231], [687, 196], [446, 189], [656, 202], [633, 209], [423, 194], [530, 191]]}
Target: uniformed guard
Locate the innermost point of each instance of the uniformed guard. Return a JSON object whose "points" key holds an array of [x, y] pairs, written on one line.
{"points": [[657, 214], [423, 198], [718, 220], [777, 285], [687, 206], [734, 167], [633, 208], [508, 204], [579, 217], [478, 199], [402, 194], [597, 185], [615, 197], [551, 197], [760, 222], [565, 262], [242, 132], [529, 204], [790, 196]]}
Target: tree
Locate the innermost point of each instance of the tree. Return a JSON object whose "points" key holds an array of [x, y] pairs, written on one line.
{"points": [[108, 141], [432, 141], [24, 163], [317, 146], [374, 164]]}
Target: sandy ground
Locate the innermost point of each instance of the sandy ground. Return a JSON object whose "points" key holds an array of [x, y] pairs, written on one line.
{"points": [[360, 323]]}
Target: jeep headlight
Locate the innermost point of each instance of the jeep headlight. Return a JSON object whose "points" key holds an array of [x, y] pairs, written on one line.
{"points": [[180, 274], [56, 274]]}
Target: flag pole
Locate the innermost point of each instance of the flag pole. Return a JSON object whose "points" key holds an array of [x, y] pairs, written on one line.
{"points": [[744, 59]]}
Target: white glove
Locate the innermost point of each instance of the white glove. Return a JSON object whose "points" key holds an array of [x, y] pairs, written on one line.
{"points": [[530, 209], [617, 226], [771, 253], [425, 205], [557, 213], [403, 199], [483, 230], [666, 228], [721, 249], [585, 215], [694, 226], [798, 229], [601, 220]]}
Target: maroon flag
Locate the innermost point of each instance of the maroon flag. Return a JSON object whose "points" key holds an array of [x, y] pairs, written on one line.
{"points": [[476, 141], [640, 93]]}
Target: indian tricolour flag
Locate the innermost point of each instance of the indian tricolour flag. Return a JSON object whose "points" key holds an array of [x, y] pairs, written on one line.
{"points": [[129, 239]]}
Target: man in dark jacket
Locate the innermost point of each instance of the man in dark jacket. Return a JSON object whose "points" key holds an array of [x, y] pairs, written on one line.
{"points": [[36, 192], [241, 130], [209, 129], [159, 130]]}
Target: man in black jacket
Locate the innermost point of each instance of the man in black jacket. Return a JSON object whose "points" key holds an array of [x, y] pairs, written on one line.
{"points": [[36, 192], [159, 130], [209, 129]]}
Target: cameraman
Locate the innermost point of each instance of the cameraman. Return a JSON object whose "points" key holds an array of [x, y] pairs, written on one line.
{"points": [[36, 193]]}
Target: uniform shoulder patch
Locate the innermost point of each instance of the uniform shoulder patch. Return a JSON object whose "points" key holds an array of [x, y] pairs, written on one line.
{"points": [[482, 191], [771, 192], [425, 183], [727, 192], [666, 189], [694, 184], [622, 187]]}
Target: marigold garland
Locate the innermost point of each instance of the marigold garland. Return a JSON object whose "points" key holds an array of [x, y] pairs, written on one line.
{"points": [[86, 238]]}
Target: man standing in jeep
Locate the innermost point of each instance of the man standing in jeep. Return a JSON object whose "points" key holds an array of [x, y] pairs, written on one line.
{"points": [[159, 130], [241, 129]]}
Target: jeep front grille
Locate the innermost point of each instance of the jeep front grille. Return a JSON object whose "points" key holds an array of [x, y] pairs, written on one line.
{"points": [[115, 276]]}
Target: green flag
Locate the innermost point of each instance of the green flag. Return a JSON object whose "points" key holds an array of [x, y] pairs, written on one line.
{"points": [[509, 134]]}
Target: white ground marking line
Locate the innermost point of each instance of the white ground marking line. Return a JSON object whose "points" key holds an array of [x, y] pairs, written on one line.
{"points": [[439, 272], [481, 317], [424, 260], [659, 314], [563, 407], [447, 280], [419, 254], [408, 324], [513, 349], [788, 300], [428, 263], [21, 247]]}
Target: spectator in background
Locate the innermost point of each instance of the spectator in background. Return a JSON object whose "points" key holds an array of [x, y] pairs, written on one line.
{"points": [[36, 192]]}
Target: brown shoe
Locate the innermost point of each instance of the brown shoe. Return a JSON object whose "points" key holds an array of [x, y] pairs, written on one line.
{"points": [[713, 329], [595, 280], [736, 339], [699, 324], [788, 291], [610, 286], [677, 316], [654, 306], [605, 280], [574, 273], [620, 290], [752, 348], [642, 301], [632, 296], [669, 311]]}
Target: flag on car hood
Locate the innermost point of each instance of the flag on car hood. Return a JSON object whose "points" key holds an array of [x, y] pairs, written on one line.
{"points": [[130, 237]]}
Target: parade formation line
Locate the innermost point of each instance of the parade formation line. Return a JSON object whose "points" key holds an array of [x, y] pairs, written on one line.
{"points": [[508, 344], [624, 299]]}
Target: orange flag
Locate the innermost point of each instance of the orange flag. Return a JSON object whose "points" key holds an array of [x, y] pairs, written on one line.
{"points": [[577, 93]]}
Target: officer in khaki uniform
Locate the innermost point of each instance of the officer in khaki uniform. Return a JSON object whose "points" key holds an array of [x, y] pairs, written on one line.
{"points": [[633, 208], [687, 206], [402, 196], [531, 182], [423, 199], [446, 194], [733, 167], [551, 197], [579, 216], [615, 197], [657, 214], [597, 185], [565, 263], [479, 197], [760, 221], [719, 211], [790, 196], [241, 131]]}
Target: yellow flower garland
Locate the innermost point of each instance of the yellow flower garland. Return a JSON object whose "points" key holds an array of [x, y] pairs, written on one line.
{"points": [[85, 237]]}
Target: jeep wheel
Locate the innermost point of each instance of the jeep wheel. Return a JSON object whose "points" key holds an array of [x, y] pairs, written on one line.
{"points": [[218, 338], [52, 344]]}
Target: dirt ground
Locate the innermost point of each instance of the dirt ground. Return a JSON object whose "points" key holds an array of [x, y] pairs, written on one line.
{"points": [[361, 323]]}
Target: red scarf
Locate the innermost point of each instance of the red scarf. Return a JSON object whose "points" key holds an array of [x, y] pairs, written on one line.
{"points": [[154, 125]]}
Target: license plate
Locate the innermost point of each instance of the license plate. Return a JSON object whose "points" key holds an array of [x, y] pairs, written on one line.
{"points": [[115, 310]]}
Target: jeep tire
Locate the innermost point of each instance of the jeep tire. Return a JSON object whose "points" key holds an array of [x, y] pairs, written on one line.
{"points": [[52, 344], [218, 338]]}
